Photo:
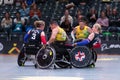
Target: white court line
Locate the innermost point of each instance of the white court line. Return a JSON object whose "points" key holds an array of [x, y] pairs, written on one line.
{"points": [[107, 59], [48, 78]]}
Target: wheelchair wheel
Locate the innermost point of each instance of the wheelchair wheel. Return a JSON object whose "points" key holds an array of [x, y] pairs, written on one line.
{"points": [[45, 57], [80, 56], [94, 55], [21, 58], [63, 62]]}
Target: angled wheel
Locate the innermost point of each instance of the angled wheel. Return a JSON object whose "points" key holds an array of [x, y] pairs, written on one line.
{"points": [[80, 56], [21, 58], [94, 55], [45, 57], [63, 62]]}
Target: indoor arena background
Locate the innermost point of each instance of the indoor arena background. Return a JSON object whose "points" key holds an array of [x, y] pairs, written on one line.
{"points": [[107, 66]]}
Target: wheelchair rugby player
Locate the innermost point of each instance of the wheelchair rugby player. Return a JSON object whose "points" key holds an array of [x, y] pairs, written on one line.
{"points": [[34, 39], [84, 55]]}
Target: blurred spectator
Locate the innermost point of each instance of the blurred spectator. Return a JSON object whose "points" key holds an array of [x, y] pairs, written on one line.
{"points": [[114, 18], [40, 1], [70, 5], [35, 14], [77, 20], [92, 16], [108, 10], [67, 16], [6, 23], [30, 2], [18, 2], [77, 2], [24, 11], [18, 23], [66, 25], [84, 2], [103, 20], [79, 12], [9, 2]]}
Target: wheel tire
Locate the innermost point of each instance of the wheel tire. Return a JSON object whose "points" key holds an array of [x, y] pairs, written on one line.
{"points": [[36, 66], [94, 55], [21, 58], [80, 56], [45, 57]]}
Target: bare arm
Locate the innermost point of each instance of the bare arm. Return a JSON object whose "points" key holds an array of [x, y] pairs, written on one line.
{"points": [[91, 36], [72, 34], [90, 30], [53, 36], [85, 41]]}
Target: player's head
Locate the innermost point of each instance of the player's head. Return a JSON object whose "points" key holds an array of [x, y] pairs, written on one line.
{"points": [[53, 24], [39, 24], [97, 28], [82, 22]]}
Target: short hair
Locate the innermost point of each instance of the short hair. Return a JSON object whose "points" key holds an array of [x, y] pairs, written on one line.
{"points": [[39, 23], [17, 12], [83, 19], [54, 22]]}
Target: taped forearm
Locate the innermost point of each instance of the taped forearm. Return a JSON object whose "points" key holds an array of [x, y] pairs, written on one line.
{"points": [[72, 35], [43, 39]]}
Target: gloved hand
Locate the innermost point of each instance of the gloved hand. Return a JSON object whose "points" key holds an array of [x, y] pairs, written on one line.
{"points": [[74, 44], [44, 46], [47, 44]]}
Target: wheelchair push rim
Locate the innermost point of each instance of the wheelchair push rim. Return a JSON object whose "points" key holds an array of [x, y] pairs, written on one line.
{"points": [[80, 56], [45, 57]]}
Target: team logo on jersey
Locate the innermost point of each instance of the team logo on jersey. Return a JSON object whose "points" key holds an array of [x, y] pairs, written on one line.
{"points": [[80, 56]]}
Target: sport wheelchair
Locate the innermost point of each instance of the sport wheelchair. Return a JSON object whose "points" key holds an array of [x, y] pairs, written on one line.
{"points": [[58, 56], [82, 56], [42, 57]]}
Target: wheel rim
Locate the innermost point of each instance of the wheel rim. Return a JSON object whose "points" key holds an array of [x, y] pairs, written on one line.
{"points": [[45, 57], [80, 56]]}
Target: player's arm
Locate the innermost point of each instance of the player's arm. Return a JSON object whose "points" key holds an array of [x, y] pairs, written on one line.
{"points": [[26, 37], [74, 30], [43, 38], [73, 34], [89, 30], [85, 41], [53, 36]]}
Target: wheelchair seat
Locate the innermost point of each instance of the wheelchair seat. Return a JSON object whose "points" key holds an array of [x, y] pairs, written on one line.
{"points": [[31, 48], [26, 51]]}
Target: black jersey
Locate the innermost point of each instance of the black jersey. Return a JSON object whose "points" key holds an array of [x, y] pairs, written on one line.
{"points": [[34, 36], [95, 39]]}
